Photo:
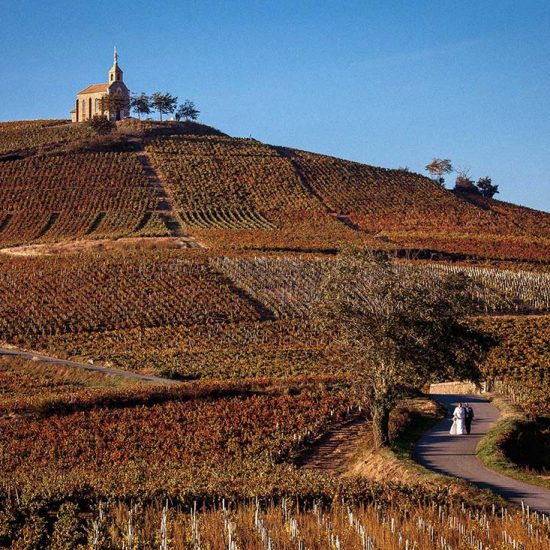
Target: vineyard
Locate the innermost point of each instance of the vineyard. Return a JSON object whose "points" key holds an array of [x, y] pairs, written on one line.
{"points": [[523, 288], [189, 460], [519, 363], [230, 174], [220, 351], [182, 446], [193, 317], [26, 384], [292, 286], [79, 195], [240, 193], [48, 296], [280, 197], [221, 184], [35, 134], [212, 460], [225, 174], [238, 218], [507, 248], [380, 199]]}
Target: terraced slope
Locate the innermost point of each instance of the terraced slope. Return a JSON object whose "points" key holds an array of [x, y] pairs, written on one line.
{"points": [[222, 184]]}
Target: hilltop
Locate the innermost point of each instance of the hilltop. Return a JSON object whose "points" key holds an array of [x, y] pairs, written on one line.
{"points": [[60, 183]]}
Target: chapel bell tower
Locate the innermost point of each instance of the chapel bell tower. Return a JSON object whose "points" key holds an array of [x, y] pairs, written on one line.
{"points": [[115, 73]]}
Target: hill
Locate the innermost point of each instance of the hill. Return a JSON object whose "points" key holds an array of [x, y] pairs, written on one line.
{"points": [[57, 182], [175, 250]]}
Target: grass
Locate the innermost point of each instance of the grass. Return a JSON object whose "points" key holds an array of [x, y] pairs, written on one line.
{"points": [[490, 449]]}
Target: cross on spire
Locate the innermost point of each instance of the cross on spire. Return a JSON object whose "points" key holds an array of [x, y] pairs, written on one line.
{"points": [[115, 57]]}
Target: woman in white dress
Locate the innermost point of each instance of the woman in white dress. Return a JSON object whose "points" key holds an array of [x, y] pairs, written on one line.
{"points": [[459, 424]]}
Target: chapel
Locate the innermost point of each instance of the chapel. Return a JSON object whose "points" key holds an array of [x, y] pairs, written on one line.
{"points": [[88, 101]]}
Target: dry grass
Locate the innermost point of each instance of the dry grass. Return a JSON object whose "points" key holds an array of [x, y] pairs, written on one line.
{"points": [[102, 245], [287, 525]]}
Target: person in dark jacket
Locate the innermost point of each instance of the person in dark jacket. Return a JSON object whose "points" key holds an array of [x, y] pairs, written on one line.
{"points": [[468, 418]]}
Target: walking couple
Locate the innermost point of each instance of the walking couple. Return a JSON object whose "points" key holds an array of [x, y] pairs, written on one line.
{"points": [[462, 419]]}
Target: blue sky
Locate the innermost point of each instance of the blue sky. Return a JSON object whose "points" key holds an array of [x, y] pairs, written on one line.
{"points": [[390, 83]]}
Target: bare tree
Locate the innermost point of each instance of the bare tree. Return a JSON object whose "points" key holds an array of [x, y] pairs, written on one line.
{"points": [[393, 332], [438, 168]]}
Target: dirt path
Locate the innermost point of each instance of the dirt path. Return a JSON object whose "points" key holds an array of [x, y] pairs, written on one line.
{"points": [[68, 247], [456, 456], [165, 202], [86, 366], [333, 451]]}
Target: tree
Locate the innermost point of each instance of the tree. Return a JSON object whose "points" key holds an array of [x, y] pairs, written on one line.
{"points": [[187, 110], [113, 103], [101, 125], [394, 332], [486, 187], [163, 103], [438, 168], [141, 104]]}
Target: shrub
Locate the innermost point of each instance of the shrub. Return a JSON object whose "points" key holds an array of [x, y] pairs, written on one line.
{"points": [[100, 125]]}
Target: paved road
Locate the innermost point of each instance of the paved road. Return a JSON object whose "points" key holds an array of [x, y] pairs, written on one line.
{"points": [[86, 366], [455, 455]]}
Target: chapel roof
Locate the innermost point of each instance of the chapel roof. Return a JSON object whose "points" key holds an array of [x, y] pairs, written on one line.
{"points": [[94, 89]]}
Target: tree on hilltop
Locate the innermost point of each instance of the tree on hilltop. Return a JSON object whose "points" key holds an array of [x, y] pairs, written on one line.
{"points": [[483, 187], [187, 110], [438, 168], [141, 104], [113, 103], [486, 187], [394, 332], [464, 183], [163, 103]]}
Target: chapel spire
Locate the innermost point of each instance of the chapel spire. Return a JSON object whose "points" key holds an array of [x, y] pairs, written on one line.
{"points": [[115, 74]]}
